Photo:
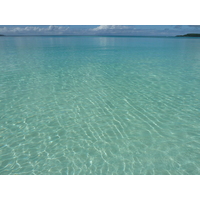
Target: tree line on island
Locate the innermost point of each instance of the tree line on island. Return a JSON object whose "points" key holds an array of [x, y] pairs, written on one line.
{"points": [[190, 35]]}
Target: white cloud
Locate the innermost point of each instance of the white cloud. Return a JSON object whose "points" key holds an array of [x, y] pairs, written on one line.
{"points": [[51, 28], [28, 30], [3, 30], [194, 26], [109, 27], [113, 30], [99, 30]]}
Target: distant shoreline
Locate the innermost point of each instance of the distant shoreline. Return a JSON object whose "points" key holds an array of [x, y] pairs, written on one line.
{"points": [[190, 35]]}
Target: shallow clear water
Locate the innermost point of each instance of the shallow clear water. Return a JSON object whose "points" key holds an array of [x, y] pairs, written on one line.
{"points": [[99, 105]]}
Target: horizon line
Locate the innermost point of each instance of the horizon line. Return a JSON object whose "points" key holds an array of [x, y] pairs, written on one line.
{"points": [[91, 35]]}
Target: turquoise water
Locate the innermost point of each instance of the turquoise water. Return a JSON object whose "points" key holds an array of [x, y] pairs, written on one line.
{"points": [[99, 105]]}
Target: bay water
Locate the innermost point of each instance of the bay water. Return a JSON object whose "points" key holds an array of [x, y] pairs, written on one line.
{"points": [[80, 105]]}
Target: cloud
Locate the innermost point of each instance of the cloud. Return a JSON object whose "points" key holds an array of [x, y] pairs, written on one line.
{"points": [[194, 26], [34, 30], [123, 30], [51, 28], [131, 30], [109, 27], [114, 30], [178, 26]]}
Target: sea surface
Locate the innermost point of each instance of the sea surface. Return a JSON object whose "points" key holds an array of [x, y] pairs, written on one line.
{"points": [[85, 105]]}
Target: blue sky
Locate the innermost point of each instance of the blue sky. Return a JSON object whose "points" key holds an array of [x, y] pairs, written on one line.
{"points": [[135, 30]]}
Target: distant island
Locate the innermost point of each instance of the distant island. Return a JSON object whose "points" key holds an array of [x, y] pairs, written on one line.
{"points": [[190, 35], [1, 35]]}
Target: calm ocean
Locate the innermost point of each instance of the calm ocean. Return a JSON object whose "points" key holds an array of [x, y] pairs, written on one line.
{"points": [[99, 105]]}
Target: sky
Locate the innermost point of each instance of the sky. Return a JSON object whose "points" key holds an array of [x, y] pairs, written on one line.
{"points": [[129, 30]]}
